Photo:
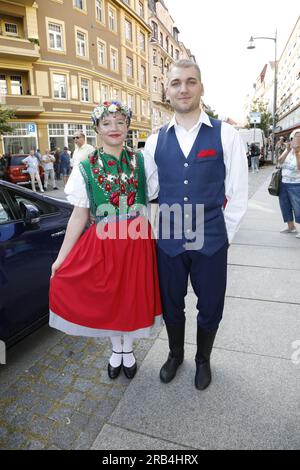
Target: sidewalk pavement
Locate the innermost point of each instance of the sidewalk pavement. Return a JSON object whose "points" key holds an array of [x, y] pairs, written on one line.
{"points": [[253, 400]]}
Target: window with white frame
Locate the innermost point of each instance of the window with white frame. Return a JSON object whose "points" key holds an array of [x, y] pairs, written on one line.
{"points": [[104, 93], [60, 86], [101, 53], [16, 85], [114, 61], [81, 44], [128, 30], [100, 11], [115, 94], [85, 90], [141, 10], [80, 4], [11, 29], [142, 42], [112, 20], [130, 102], [143, 75], [3, 85], [55, 33], [129, 67]]}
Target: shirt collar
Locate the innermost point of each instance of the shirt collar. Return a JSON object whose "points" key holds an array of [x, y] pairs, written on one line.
{"points": [[203, 119]]}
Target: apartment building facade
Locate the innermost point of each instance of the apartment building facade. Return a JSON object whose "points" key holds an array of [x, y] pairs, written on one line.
{"points": [[59, 58], [165, 48], [288, 104]]}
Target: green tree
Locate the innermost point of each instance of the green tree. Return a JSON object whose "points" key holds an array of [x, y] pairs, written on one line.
{"points": [[266, 117], [5, 116]]}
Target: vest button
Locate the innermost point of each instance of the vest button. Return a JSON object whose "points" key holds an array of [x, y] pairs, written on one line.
{"points": [[186, 165], [186, 182], [186, 199]]}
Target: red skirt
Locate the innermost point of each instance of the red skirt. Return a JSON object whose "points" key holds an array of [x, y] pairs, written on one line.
{"points": [[107, 286]]}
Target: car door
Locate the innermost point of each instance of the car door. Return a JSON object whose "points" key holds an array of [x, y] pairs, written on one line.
{"points": [[26, 256]]}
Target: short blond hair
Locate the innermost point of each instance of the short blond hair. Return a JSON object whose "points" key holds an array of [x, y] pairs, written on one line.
{"points": [[185, 64]]}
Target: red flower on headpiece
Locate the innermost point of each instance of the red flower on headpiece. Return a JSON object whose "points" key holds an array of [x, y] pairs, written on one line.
{"points": [[111, 163], [101, 179]]}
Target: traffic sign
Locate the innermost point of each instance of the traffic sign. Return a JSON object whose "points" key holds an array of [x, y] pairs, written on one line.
{"points": [[255, 118]]}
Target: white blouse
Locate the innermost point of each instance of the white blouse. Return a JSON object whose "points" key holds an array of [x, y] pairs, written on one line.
{"points": [[290, 172], [75, 189]]}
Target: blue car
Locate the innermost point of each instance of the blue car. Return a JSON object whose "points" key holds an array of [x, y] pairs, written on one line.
{"points": [[32, 229]]}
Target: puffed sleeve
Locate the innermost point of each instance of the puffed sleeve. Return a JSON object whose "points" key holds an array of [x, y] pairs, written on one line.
{"points": [[75, 189]]}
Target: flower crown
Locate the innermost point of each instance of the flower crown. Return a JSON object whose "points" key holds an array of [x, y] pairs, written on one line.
{"points": [[108, 107]]}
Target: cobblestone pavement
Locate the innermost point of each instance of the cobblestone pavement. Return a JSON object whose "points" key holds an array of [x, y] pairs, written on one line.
{"points": [[59, 396]]}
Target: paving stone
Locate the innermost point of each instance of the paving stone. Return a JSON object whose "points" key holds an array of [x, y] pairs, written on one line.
{"points": [[65, 437], [41, 426], [35, 445], [83, 385], [15, 441], [85, 440], [73, 398], [61, 414]]}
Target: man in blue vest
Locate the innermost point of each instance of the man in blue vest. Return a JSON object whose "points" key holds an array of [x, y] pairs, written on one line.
{"points": [[197, 166]]}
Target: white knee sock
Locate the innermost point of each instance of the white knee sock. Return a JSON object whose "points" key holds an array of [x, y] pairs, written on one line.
{"points": [[116, 359], [128, 359]]}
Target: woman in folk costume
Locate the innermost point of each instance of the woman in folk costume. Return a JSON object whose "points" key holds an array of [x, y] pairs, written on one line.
{"points": [[104, 281]]}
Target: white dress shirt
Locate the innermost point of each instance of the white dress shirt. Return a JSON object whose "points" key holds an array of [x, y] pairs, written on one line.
{"points": [[235, 160], [81, 153]]}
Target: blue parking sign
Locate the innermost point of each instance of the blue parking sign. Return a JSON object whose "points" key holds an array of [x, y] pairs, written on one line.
{"points": [[31, 129]]}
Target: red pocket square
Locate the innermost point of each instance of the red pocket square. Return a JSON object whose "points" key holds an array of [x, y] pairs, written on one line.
{"points": [[207, 153]]}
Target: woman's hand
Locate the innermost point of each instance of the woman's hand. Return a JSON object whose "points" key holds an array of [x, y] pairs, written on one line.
{"points": [[55, 266]]}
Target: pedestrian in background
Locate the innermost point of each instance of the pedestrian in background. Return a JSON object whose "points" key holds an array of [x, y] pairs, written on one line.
{"points": [[289, 196], [57, 163], [33, 164], [82, 149], [65, 164], [254, 155], [48, 164], [280, 148]]}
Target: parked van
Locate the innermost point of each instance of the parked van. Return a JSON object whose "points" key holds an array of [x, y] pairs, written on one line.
{"points": [[254, 136]]}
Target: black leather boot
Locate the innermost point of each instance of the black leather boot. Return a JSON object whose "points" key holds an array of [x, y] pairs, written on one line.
{"points": [[176, 354], [205, 341]]}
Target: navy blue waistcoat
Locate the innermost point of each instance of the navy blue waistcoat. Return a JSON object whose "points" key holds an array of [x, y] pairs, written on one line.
{"points": [[198, 179]]}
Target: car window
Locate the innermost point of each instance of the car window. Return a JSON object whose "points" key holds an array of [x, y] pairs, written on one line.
{"points": [[5, 213], [17, 160], [44, 207]]}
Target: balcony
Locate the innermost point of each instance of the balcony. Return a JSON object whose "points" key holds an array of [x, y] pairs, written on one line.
{"points": [[12, 48], [23, 104]]}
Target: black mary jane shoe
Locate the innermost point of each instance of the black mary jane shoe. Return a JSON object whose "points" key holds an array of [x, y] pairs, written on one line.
{"points": [[130, 371], [114, 372]]}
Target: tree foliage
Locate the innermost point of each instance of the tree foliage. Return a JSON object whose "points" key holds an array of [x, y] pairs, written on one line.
{"points": [[5, 116], [266, 117]]}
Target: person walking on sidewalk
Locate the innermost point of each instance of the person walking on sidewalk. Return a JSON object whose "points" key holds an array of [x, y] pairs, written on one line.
{"points": [[102, 284], [254, 155], [194, 160], [33, 164], [289, 196]]}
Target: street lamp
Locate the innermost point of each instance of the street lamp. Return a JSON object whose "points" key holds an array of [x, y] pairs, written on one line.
{"points": [[251, 45]]}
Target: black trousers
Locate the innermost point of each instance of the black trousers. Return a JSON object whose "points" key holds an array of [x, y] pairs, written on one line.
{"points": [[208, 276]]}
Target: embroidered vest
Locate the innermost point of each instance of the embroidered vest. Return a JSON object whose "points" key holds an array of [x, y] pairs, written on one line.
{"points": [[108, 179]]}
